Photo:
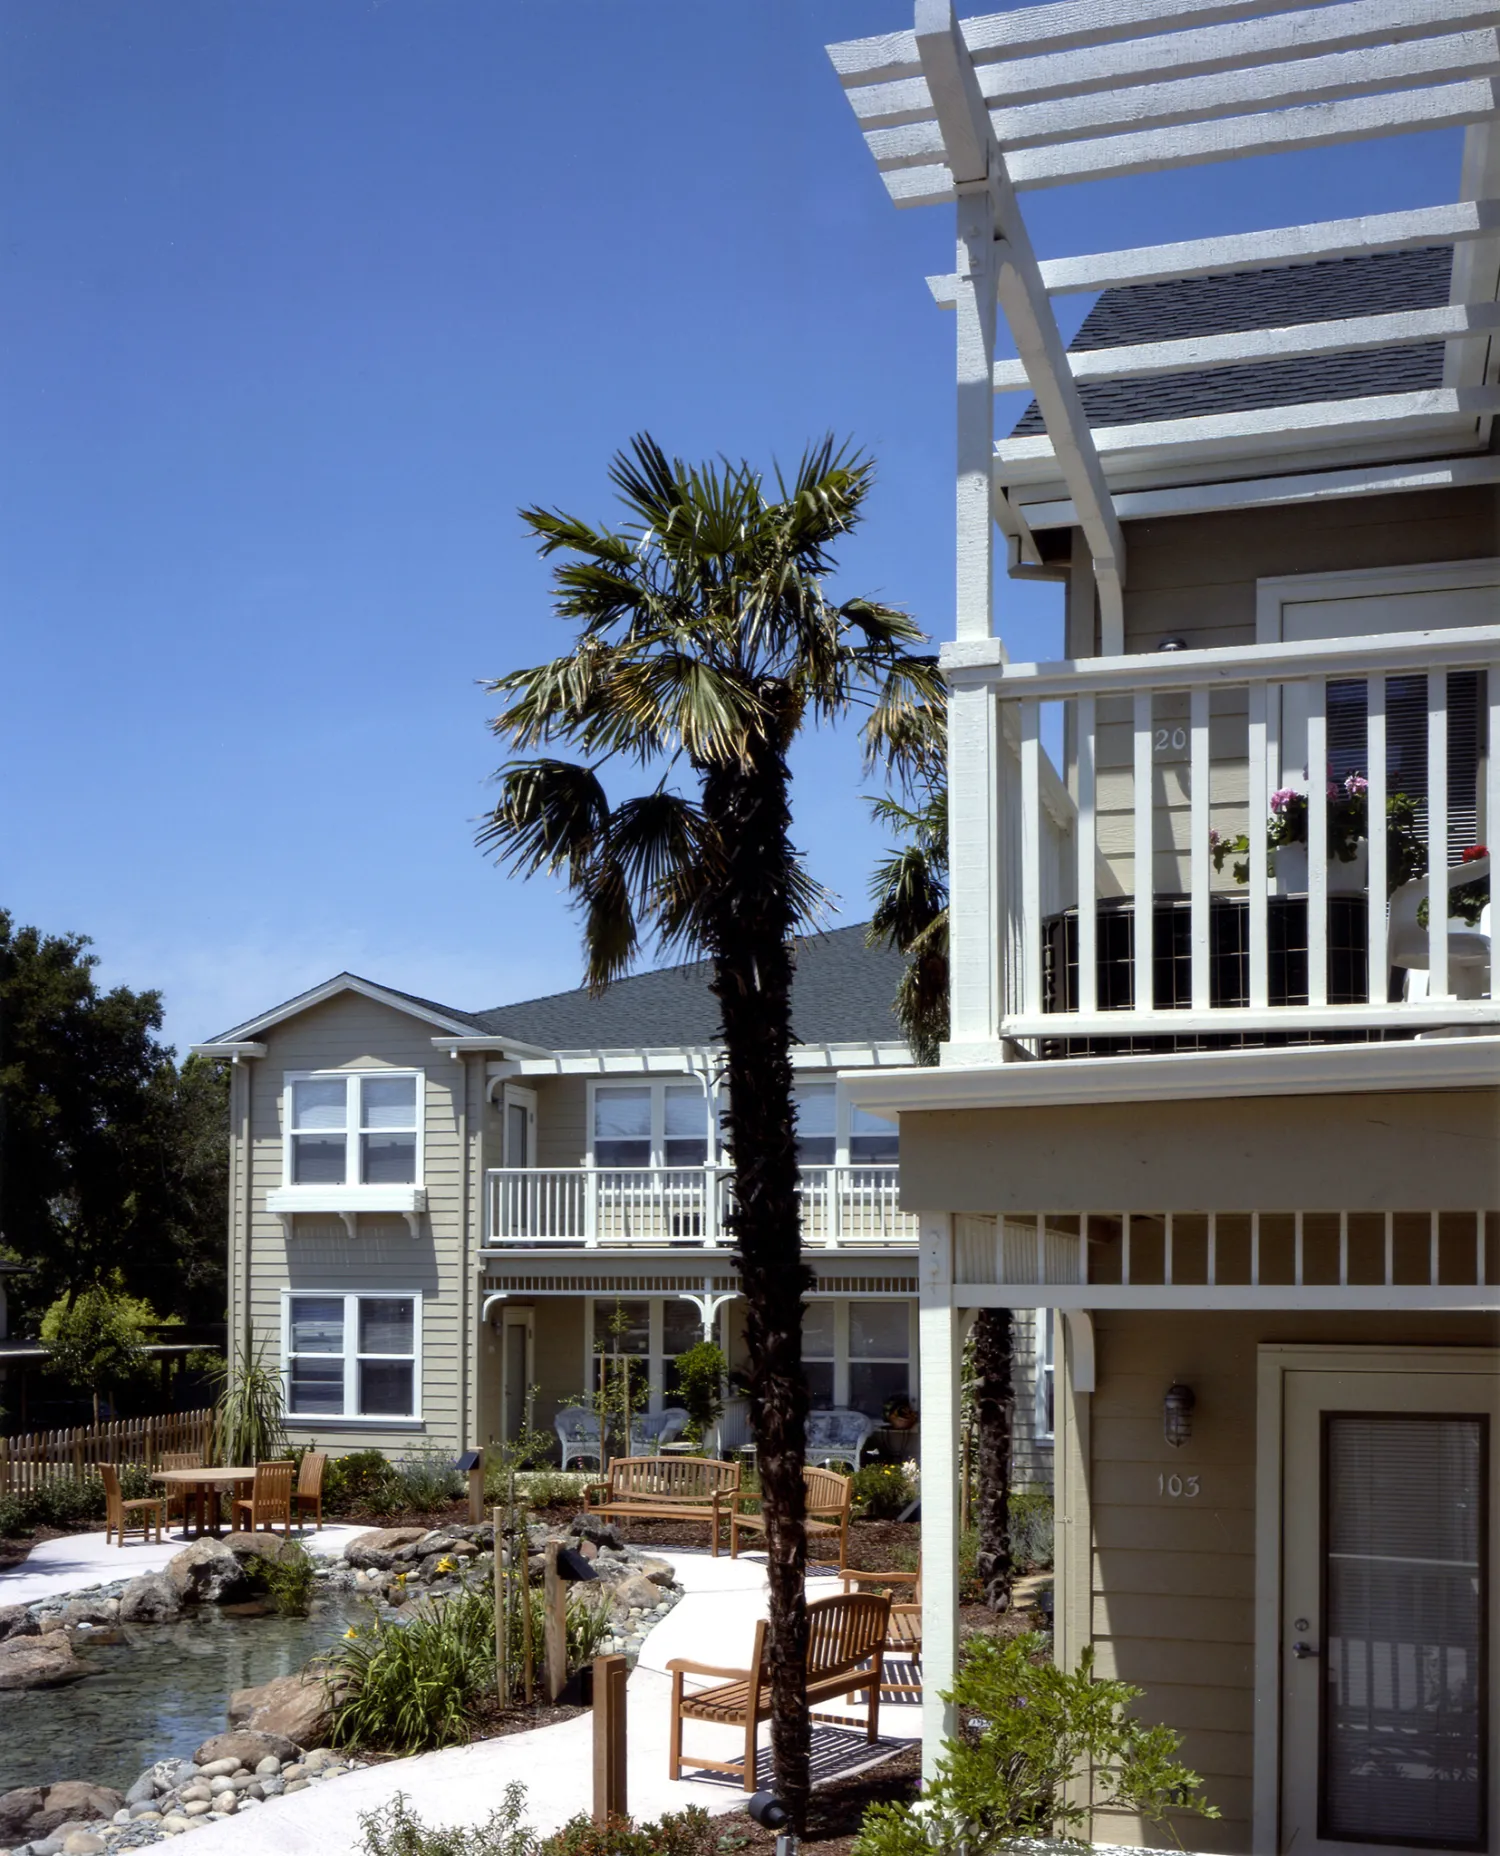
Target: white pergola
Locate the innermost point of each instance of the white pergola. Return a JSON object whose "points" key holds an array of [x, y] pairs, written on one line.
{"points": [[978, 112]]}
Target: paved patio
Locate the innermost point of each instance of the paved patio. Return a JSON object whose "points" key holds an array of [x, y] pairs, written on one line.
{"points": [[74, 1562]]}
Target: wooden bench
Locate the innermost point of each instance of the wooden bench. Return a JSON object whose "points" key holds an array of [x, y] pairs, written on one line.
{"points": [[667, 1488], [828, 1503], [903, 1637], [845, 1648]]}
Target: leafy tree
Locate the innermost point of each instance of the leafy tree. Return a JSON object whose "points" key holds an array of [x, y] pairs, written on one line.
{"points": [[1028, 1728], [700, 1385], [111, 1158], [705, 641], [96, 1338]]}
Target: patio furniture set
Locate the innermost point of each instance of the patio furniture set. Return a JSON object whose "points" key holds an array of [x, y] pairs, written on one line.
{"points": [[837, 1436], [280, 1493]]}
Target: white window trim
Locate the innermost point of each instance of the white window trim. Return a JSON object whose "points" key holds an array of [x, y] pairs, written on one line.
{"points": [[351, 1299], [842, 1359], [514, 1096], [843, 1118], [1044, 1371], [349, 1200], [655, 1356], [658, 1085]]}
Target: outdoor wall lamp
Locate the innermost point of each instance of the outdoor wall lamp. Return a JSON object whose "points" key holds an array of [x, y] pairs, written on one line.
{"points": [[1177, 1414]]}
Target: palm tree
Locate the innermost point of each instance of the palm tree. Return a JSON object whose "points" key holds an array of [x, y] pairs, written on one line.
{"points": [[909, 890], [704, 642]]}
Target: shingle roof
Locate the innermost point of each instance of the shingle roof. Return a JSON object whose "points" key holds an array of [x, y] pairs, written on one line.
{"points": [[1266, 299], [842, 994]]}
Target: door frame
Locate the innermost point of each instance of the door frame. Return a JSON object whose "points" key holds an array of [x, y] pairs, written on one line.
{"points": [[1274, 1361], [515, 1095], [512, 1318]]}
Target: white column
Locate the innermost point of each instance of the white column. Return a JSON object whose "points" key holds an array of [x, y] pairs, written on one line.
{"points": [[939, 1362], [975, 930], [976, 415]]}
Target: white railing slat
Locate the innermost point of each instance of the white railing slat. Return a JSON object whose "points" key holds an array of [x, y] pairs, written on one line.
{"points": [[1317, 842], [1031, 857], [1258, 809], [1199, 872], [1144, 851], [1088, 876], [1437, 834], [1379, 884]]}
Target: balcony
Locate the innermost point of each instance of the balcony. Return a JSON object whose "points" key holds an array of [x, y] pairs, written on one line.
{"points": [[681, 1208], [1187, 884]]}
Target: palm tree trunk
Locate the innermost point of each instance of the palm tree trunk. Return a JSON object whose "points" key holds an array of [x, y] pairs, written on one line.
{"points": [[751, 941], [995, 1411]]}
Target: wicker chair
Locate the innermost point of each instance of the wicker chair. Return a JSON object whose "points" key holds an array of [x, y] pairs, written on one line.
{"points": [[270, 1499], [181, 1500], [903, 1637], [578, 1431], [151, 1509], [845, 1647], [309, 1492], [829, 1498]]}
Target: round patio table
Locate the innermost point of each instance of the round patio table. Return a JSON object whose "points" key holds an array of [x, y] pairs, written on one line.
{"points": [[206, 1484]]}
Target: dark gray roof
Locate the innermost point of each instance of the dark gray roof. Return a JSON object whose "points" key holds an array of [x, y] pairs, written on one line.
{"points": [[1268, 299], [842, 994]]}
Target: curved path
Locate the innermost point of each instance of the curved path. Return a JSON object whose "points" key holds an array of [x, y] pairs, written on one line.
{"points": [[714, 1623]]}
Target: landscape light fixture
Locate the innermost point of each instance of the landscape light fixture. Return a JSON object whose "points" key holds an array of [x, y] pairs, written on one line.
{"points": [[1177, 1414]]}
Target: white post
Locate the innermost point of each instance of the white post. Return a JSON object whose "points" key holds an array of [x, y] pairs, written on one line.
{"points": [[940, 1366]]}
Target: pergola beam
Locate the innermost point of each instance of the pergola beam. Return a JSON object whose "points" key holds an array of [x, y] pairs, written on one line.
{"points": [[1245, 347], [1234, 46], [980, 168]]}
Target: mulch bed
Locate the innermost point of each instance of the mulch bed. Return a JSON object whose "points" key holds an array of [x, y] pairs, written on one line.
{"points": [[838, 1807]]}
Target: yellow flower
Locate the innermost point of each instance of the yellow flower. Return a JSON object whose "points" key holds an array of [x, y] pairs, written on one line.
{"points": [[353, 1631], [445, 1564]]}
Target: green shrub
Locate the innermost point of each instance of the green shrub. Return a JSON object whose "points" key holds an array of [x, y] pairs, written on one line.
{"points": [[1028, 1729], [356, 1481], [1030, 1529], [422, 1482], [68, 1504], [395, 1830], [411, 1686], [549, 1488], [287, 1581], [882, 1490], [700, 1386]]}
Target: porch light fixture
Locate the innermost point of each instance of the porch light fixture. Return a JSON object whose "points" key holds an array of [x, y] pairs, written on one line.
{"points": [[1177, 1414]]}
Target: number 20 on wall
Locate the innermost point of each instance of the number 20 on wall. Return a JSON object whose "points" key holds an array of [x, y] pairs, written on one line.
{"points": [[1175, 1486]]}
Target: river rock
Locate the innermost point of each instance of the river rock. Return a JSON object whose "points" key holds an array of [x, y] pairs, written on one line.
{"points": [[73, 1802], [83, 1843], [91, 1611], [262, 1546], [380, 1547], [17, 1621], [635, 1592], [144, 1789], [246, 1748], [590, 1527], [149, 1600], [207, 1573], [297, 1708], [39, 1662], [17, 1808]]}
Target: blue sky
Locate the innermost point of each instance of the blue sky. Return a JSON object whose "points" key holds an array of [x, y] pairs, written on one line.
{"points": [[300, 304]]}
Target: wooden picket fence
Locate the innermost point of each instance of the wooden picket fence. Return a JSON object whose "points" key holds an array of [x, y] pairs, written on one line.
{"points": [[30, 1462]]}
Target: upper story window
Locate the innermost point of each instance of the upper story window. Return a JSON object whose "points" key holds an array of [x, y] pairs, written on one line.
{"points": [[357, 1129], [830, 1130], [872, 1142], [652, 1124]]}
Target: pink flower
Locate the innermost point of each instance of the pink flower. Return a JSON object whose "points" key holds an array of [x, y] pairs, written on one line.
{"points": [[1333, 792], [1356, 785], [1283, 798]]}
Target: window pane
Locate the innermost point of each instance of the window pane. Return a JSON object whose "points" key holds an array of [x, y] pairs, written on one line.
{"points": [[317, 1324], [388, 1159], [318, 1387], [681, 1327], [389, 1102], [386, 1324], [819, 1384], [635, 1334], [385, 1388], [816, 1124], [318, 1159], [871, 1140], [687, 1117], [871, 1384], [817, 1331], [622, 1127], [319, 1103], [878, 1331]]}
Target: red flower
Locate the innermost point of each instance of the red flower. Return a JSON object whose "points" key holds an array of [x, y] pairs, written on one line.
{"points": [[1474, 853]]}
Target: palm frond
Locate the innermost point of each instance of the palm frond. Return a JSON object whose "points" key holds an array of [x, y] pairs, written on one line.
{"points": [[550, 815]]}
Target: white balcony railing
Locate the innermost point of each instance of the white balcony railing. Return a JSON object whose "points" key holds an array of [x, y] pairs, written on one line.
{"points": [[681, 1207], [1118, 920]]}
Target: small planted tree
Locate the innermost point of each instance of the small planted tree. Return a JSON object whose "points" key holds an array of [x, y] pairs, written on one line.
{"points": [[96, 1339], [249, 1422], [700, 1386]]}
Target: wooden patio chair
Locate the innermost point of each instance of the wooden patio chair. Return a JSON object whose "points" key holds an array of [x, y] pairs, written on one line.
{"points": [[845, 1647], [829, 1498], [903, 1637], [181, 1499], [118, 1511], [270, 1498], [310, 1485]]}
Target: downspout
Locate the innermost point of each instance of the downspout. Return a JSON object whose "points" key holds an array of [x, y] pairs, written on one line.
{"points": [[241, 1073], [466, 1350]]}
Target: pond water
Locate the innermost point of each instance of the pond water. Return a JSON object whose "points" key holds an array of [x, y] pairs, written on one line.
{"points": [[159, 1692]]}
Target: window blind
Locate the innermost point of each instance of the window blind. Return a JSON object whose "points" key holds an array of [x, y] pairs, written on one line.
{"points": [[1406, 745]]}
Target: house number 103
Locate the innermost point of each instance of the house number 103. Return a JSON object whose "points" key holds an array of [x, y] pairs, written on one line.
{"points": [[1177, 1486]]}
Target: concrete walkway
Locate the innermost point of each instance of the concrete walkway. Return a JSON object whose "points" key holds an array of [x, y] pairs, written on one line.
{"points": [[713, 1623], [74, 1562]]}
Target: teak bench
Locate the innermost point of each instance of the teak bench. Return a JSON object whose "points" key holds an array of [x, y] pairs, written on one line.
{"points": [[667, 1488], [828, 1503], [845, 1655]]}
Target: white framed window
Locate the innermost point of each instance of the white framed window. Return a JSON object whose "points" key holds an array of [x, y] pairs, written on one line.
{"points": [[352, 1355], [654, 1330], [832, 1131], [1045, 1373], [857, 1354], [657, 1123], [353, 1128]]}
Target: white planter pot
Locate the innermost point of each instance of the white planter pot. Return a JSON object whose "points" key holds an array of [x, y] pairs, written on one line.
{"points": [[1344, 879]]}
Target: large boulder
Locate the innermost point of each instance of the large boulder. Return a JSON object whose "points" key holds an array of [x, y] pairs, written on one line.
{"points": [[149, 1600], [17, 1621], [245, 1745], [39, 1662], [17, 1808], [248, 1548], [380, 1549], [636, 1591], [73, 1801], [298, 1708], [207, 1573]]}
